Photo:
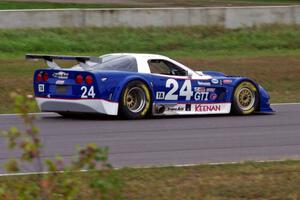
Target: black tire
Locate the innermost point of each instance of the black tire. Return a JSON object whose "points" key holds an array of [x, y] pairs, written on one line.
{"points": [[67, 114], [245, 98], [135, 100]]}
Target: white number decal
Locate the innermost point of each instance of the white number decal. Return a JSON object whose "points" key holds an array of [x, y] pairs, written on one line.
{"points": [[87, 93], [91, 92], [83, 95], [170, 95], [186, 90]]}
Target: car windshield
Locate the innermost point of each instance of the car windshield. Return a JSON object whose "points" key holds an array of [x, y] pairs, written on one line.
{"points": [[118, 63]]}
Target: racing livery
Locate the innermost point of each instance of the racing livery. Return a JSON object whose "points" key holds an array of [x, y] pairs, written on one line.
{"points": [[136, 85]]}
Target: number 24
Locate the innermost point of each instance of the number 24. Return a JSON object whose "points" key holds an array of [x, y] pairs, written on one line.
{"points": [[87, 93], [186, 89]]}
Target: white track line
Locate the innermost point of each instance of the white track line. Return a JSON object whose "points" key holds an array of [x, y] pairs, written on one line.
{"points": [[38, 113], [51, 113], [278, 104], [154, 166]]}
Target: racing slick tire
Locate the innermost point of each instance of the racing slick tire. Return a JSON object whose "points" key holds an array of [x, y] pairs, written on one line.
{"points": [[68, 114], [245, 98], [135, 101]]}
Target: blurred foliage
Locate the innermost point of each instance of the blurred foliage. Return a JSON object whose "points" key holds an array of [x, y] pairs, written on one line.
{"points": [[249, 180], [60, 181]]}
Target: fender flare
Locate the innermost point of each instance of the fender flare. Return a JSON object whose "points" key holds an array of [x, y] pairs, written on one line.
{"points": [[123, 83], [251, 81]]}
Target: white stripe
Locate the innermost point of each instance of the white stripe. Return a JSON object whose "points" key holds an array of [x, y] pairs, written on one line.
{"points": [[51, 113], [148, 167], [278, 104], [157, 8], [35, 173], [38, 113]]}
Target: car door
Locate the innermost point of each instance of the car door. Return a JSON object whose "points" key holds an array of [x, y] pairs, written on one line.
{"points": [[176, 92], [172, 86]]}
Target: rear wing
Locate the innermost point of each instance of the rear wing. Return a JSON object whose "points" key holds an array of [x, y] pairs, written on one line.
{"points": [[49, 59]]}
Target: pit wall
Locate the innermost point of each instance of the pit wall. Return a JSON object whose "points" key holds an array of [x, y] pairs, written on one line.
{"points": [[229, 17]]}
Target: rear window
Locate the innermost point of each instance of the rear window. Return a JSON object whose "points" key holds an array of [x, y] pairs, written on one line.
{"points": [[118, 63]]}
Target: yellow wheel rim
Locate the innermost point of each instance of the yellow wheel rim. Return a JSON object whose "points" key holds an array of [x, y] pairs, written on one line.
{"points": [[246, 98], [135, 99]]}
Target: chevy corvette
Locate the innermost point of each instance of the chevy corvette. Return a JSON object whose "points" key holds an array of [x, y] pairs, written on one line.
{"points": [[137, 85]]}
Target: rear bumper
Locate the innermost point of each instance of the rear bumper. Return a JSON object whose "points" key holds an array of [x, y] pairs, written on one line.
{"points": [[78, 105]]}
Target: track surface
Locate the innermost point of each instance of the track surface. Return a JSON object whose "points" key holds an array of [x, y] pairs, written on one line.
{"points": [[176, 140]]}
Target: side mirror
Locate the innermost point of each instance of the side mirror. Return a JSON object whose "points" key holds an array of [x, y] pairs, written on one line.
{"points": [[190, 74]]}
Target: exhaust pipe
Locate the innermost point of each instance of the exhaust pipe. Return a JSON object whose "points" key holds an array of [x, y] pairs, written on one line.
{"points": [[160, 109]]}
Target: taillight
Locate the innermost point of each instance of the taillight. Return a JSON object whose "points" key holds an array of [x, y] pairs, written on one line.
{"points": [[79, 79], [39, 77], [45, 76], [89, 80]]}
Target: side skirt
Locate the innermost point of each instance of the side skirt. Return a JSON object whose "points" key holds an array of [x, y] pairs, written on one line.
{"points": [[190, 109]]}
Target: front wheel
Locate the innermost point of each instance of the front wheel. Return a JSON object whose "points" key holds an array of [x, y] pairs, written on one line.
{"points": [[245, 98], [135, 100]]}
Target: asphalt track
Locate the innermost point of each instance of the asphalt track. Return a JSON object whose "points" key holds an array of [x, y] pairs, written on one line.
{"points": [[172, 140]]}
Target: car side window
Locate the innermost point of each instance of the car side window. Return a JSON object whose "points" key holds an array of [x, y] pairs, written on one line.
{"points": [[165, 67]]}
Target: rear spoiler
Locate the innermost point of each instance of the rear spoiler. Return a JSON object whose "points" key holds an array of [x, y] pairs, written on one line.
{"points": [[49, 59]]}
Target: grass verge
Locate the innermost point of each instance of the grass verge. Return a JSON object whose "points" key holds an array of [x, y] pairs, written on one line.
{"points": [[179, 41], [9, 5], [269, 54], [4, 5], [250, 180]]}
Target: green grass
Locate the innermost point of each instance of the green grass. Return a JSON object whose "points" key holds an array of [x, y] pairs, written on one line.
{"points": [[250, 180], [268, 54], [180, 41], [143, 3], [8, 5]]}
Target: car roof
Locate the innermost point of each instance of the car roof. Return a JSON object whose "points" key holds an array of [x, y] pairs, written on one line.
{"points": [[142, 59], [140, 55]]}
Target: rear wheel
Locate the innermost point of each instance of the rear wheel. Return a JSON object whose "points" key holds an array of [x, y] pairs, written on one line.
{"points": [[245, 98], [135, 100]]}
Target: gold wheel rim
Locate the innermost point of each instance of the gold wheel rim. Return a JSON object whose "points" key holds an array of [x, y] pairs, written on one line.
{"points": [[246, 98], [135, 99]]}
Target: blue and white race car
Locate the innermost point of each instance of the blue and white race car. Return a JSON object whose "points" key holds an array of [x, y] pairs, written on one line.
{"points": [[137, 85]]}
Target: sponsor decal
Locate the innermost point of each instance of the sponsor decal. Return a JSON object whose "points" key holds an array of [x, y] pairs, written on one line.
{"points": [[62, 75], [207, 108], [213, 96], [203, 83], [215, 81], [103, 79], [174, 108], [199, 89], [227, 81], [188, 107], [60, 82], [41, 88], [160, 95], [201, 96], [210, 89]]}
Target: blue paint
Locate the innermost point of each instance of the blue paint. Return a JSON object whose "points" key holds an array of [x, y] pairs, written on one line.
{"points": [[108, 85]]}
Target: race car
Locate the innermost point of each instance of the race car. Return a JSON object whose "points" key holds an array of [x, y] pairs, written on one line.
{"points": [[138, 85]]}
